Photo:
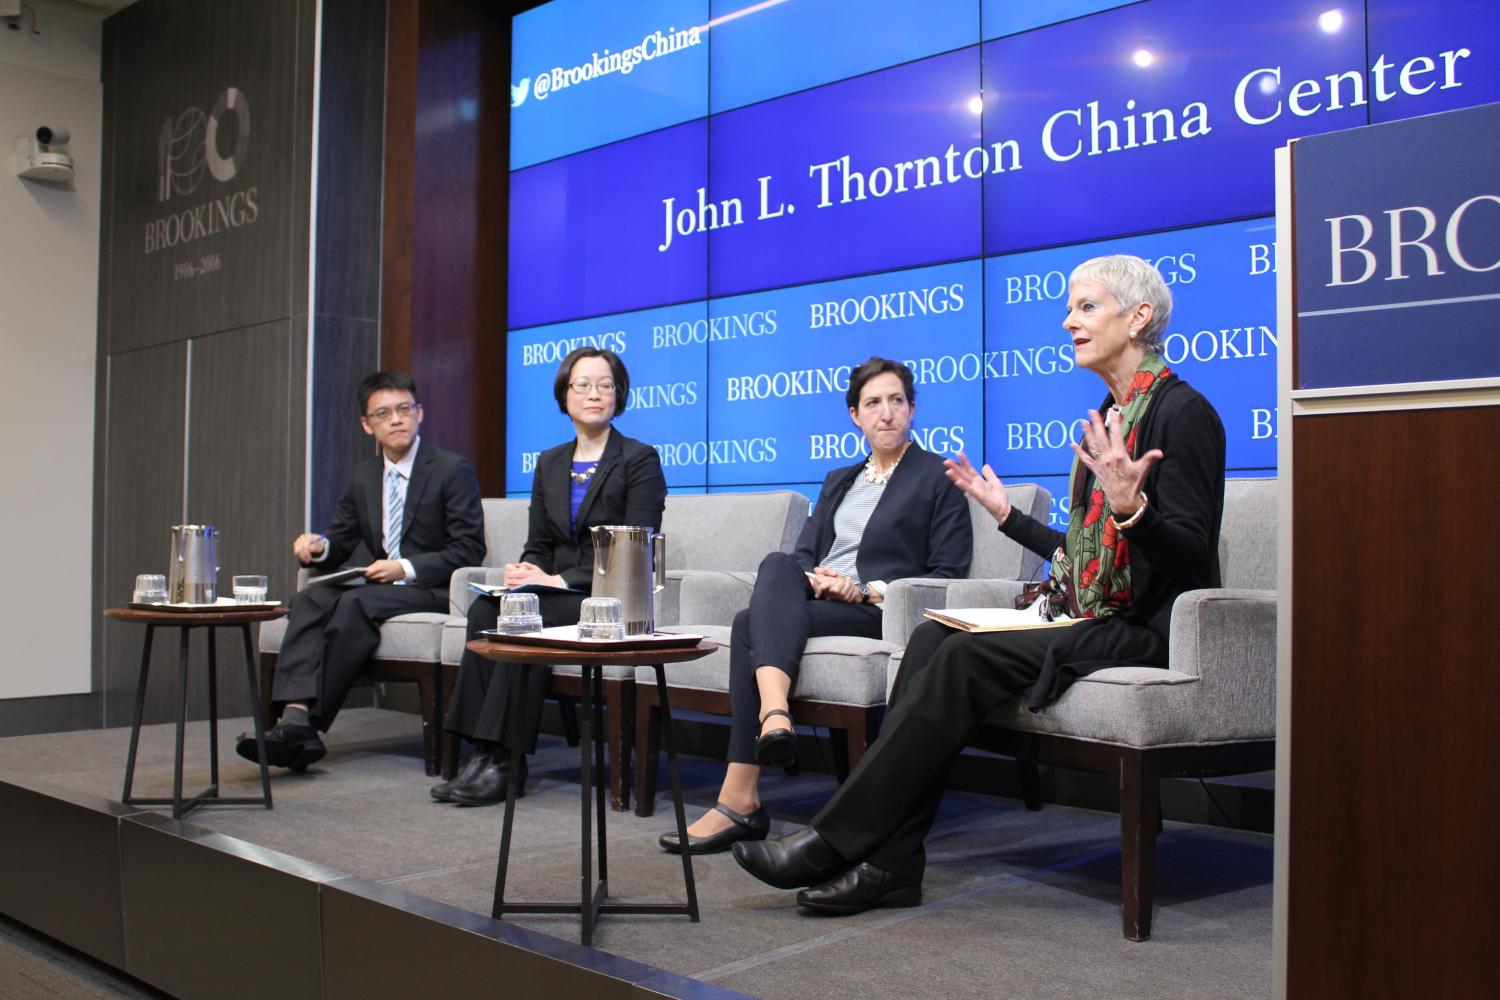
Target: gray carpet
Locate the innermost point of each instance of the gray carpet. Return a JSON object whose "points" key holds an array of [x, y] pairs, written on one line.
{"points": [[1017, 904]]}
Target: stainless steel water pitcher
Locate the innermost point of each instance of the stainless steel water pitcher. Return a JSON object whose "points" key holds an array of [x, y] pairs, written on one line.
{"points": [[194, 574], [630, 563]]}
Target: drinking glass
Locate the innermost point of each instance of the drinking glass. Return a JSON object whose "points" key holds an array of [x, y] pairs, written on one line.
{"points": [[519, 614], [601, 618], [150, 588], [250, 589]]}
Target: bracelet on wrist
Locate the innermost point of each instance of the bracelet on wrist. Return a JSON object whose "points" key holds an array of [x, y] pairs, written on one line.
{"points": [[1133, 518]]}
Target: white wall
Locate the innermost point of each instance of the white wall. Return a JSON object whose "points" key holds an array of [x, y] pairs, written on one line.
{"points": [[49, 292]]}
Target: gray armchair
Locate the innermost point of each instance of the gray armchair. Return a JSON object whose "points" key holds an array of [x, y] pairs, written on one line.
{"points": [[1212, 711], [842, 681]]}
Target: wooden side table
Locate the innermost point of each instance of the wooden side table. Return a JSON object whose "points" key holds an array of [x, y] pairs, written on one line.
{"points": [[186, 621], [594, 899]]}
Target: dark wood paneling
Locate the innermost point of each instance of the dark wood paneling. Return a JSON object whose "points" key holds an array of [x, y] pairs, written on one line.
{"points": [[244, 468], [398, 204], [350, 139], [142, 472], [444, 266], [1394, 884], [344, 352]]}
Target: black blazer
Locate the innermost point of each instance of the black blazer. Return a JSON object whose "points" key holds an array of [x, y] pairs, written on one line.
{"points": [[920, 527], [628, 489], [1174, 547], [442, 526]]}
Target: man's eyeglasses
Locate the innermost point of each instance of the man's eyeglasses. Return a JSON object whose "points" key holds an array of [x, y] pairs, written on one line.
{"points": [[582, 386], [385, 413]]}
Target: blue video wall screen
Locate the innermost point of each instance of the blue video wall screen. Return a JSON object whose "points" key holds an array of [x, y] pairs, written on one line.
{"points": [[743, 225]]}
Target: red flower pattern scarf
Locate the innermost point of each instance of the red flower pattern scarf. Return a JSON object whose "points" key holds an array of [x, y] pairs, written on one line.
{"points": [[1092, 569]]}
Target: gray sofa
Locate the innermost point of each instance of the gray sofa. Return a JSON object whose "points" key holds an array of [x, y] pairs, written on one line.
{"points": [[706, 534], [842, 681]]}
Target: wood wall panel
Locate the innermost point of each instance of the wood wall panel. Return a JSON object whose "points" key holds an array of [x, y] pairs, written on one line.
{"points": [[448, 67], [142, 475], [344, 351], [1394, 887]]}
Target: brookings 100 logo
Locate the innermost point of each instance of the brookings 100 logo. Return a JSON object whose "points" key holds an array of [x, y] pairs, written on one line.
{"points": [[658, 43], [190, 147]]}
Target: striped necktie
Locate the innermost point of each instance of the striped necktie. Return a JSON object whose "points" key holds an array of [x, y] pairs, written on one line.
{"points": [[395, 504]]}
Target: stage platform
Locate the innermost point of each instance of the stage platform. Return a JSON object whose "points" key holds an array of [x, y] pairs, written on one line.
{"points": [[358, 884]]}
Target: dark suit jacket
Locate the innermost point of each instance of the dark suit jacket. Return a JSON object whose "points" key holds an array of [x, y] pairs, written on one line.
{"points": [[628, 489], [920, 527], [442, 527]]}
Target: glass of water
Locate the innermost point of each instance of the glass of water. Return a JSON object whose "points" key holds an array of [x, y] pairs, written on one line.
{"points": [[150, 588], [519, 614], [601, 618], [250, 589]]}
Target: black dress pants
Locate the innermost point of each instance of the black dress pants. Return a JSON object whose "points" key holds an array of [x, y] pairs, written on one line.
{"points": [[949, 681], [480, 709], [782, 616], [332, 632]]}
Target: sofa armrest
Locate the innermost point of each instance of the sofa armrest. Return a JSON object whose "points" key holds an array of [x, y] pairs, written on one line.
{"points": [[459, 594], [985, 593], [710, 597], [1227, 639], [905, 600]]}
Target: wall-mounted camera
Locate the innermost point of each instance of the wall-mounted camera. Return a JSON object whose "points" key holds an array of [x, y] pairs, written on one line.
{"points": [[39, 158]]}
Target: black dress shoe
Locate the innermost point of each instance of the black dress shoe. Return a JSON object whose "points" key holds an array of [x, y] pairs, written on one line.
{"points": [[802, 858], [489, 785], [444, 792], [778, 748], [861, 888], [755, 826], [287, 745]]}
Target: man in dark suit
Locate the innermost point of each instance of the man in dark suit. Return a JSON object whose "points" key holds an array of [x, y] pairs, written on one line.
{"points": [[417, 509]]}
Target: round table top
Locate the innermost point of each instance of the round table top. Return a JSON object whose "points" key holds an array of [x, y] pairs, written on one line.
{"points": [[517, 653], [230, 615]]}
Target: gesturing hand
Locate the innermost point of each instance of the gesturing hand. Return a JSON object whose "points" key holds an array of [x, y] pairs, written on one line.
{"points": [[1104, 454], [986, 487]]}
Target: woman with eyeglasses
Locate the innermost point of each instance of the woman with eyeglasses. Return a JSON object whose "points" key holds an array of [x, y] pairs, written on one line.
{"points": [[599, 477]]}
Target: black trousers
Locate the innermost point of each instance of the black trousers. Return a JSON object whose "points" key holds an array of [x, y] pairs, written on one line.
{"points": [[782, 616], [949, 681], [332, 632], [480, 709]]}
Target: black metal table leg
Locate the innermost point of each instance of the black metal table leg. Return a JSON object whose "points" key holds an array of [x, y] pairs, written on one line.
{"points": [[213, 710], [140, 707], [676, 779], [260, 736], [182, 678], [520, 675], [586, 735], [601, 780]]}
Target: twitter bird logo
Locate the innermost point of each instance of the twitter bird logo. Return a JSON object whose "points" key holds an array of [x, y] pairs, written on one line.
{"points": [[519, 92]]}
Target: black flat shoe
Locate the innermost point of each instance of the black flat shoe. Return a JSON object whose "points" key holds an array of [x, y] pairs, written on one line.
{"points": [[287, 745], [778, 748], [489, 785], [476, 763], [863, 887], [754, 826], [790, 862]]}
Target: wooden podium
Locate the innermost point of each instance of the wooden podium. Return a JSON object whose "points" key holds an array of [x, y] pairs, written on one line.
{"points": [[1388, 881]]}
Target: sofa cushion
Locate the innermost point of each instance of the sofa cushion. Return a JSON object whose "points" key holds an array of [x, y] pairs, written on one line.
{"points": [[417, 636], [838, 670]]}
